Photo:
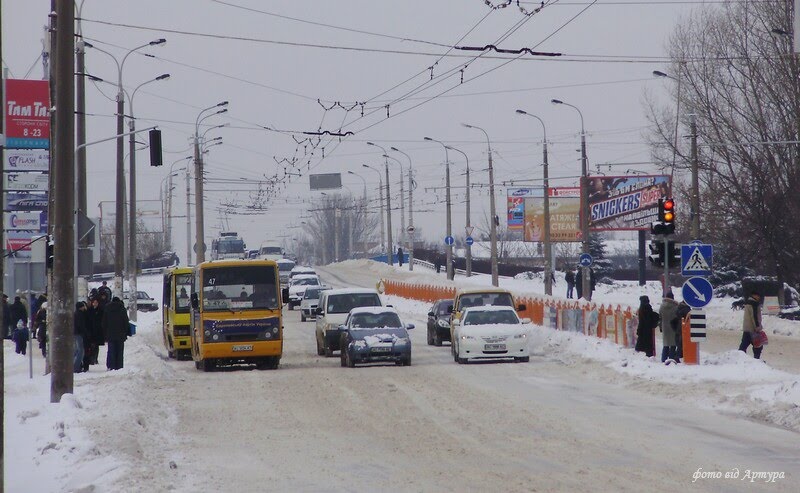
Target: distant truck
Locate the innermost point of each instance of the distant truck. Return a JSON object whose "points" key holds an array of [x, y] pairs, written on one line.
{"points": [[270, 250], [229, 245]]}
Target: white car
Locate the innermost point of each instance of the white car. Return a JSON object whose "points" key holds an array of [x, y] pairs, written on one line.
{"points": [[491, 332], [297, 288], [308, 306], [332, 311]]}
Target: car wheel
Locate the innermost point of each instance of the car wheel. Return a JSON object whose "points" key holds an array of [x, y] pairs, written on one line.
{"points": [[437, 339], [275, 361], [320, 351], [291, 306], [407, 361], [349, 360], [524, 359], [430, 337], [328, 352], [454, 350], [461, 361], [207, 365], [197, 364], [302, 317]]}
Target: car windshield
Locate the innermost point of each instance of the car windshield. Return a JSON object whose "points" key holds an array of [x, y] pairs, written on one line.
{"points": [[311, 281], [312, 294], [239, 288], [271, 250], [491, 317], [444, 308], [183, 286], [374, 320], [285, 266], [343, 303], [482, 299], [230, 245]]}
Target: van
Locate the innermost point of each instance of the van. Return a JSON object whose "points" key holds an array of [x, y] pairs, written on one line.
{"points": [[466, 298], [332, 310]]}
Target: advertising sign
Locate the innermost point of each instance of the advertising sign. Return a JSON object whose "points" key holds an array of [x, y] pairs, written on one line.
{"points": [[516, 205], [26, 182], [26, 160], [27, 108], [19, 243], [618, 203], [14, 201], [25, 221], [565, 206], [325, 181]]}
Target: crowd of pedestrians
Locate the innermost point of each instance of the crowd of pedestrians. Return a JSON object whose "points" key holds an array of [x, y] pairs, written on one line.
{"points": [[99, 321]]}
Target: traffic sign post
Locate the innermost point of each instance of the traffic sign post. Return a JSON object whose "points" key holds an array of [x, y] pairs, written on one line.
{"points": [[697, 292], [449, 240], [586, 260], [469, 240], [696, 259], [697, 326]]}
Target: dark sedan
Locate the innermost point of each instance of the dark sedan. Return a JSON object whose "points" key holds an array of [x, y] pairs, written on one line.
{"points": [[375, 334], [439, 322]]}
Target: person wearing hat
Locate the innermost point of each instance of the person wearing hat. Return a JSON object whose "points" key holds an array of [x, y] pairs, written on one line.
{"points": [[81, 335], [40, 324], [17, 312], [648, 321], [751, 323], [115, 329], [667, 312]]}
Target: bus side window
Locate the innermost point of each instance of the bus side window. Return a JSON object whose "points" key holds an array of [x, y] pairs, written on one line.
{"points": [[167, 290]]}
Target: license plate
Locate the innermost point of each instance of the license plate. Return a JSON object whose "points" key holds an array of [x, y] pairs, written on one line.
{"points": [[494, 347], [243, 347], [381, 349]]}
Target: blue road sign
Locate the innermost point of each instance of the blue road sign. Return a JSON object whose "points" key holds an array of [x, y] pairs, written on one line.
{"points": [[470, 241], [448, 240], [697, 259], [586, 260], [697, 292]]}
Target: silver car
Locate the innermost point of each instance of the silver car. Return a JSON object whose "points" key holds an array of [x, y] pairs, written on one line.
{"points": [[308, 305]]}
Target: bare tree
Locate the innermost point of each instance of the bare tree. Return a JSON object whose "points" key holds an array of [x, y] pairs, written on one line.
{"points": [[740, 81], [337, 217]]}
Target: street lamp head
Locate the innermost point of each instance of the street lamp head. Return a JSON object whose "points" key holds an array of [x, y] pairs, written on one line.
{"points": [[521, 112], [658, 73], [780, 32], [427, 138], [157, 42], [223, 110], [223, 103], [372, 144], [163, 77], [556, 101], [467, 125], [395, 149], [88, 44], [365, 165]]}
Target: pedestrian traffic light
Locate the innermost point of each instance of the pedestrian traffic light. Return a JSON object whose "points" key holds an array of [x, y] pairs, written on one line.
{"points": [[657, 253]]}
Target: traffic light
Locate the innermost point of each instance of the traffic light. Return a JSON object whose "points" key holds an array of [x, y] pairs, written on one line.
{"points": [[666, 217], [674, 254], [49, 253], [155, 148], [657, 253]]}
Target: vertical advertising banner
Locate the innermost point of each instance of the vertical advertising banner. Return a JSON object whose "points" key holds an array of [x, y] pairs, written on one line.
{"points": [[516, 206], [619, 203], [565, 206], [27, 110]]}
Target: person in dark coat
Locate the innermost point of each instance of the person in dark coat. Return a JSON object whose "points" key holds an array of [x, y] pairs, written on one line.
{"points": [[6, 318], [115, 331], [570, 278], [105, 294], [399, 256], [751, 323], [667, 312], [40, 324], [18, 312], [94, 326], [648, 321], [81, 334]]}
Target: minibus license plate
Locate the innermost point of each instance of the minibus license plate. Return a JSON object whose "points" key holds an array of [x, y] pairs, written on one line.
{"points": [[243, 347]]}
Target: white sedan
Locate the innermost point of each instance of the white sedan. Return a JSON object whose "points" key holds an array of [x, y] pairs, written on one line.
{"points": [[491, 332], [297, 288]]}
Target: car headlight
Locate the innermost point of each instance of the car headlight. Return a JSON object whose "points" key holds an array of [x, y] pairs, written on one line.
{"points": [[466, 337], [443, 324], [520, 336]]}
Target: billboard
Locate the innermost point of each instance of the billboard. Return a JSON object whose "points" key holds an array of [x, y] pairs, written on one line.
{"points": [[15, 201], [26, 182], [18, 242], [326, 181], [565, 206], [26, 160], [25, 221], [27, 109], [516, 206], [619, 203]]}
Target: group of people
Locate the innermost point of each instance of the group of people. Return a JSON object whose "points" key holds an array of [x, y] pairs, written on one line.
{"points": [[101, 320], [574, 281], [669, 320]]}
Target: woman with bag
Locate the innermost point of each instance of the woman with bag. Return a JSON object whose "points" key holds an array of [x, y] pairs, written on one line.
{"points": [[752, 331]]}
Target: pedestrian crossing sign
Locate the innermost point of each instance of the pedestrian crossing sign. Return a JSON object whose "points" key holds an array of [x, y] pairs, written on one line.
{"points": [[696, 259]]}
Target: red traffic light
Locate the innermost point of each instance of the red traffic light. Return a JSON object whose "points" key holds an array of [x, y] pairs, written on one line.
{"points": [[669, 210]]}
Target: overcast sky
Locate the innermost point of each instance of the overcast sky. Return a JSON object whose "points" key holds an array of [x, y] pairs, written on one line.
{"points": [[609, 51]]}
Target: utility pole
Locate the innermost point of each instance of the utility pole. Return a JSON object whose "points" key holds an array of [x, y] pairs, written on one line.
{"points": [[2, 272], [133, 268], [380, 195], [199, 230], [390, 249], [119, 224], [468, 228], [337, 213], [80, 122], [188, 218], [62, 300], [410, 207], [449, 219], [695, 199]]}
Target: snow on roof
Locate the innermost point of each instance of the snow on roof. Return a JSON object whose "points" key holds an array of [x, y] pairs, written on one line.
{"points": [[489, 308], [332, 292], [373, 310]]}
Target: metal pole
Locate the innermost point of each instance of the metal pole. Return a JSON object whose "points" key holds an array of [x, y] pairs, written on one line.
{"points": [[119, 229], [2, 276], [410, 207], [133, 268], [666, 265], [80, 122], [695, 202], [380, 193], [587, 271], [199, 230], [548, 245], [389, 247], [336, 214], [468, 220], [449, 246], [493, 209], [188, 218], [62, 301]]}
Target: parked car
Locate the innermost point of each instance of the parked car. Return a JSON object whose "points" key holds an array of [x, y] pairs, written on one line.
{"points": [[491, 332], [308, 305], [439, 322], [297, 288], [332, 310], [374, 334], [144, 302]]}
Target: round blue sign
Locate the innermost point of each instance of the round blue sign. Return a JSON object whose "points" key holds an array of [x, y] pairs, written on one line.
{"points": [[697, 292], [470, 241], [448, 240], [586, 260]]}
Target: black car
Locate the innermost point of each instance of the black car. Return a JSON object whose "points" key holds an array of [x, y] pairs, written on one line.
{"points": [[439, 322], [374, 335]]}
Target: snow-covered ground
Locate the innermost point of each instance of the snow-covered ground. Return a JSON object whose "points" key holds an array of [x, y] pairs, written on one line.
{"points": [[139, 429]]}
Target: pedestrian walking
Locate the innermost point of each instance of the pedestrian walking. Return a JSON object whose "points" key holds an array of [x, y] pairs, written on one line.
{"points": [[677, 323], [115, 330], [20, 337], [18, 312], [751, 324], [399, 256], [668, 311], [645, 329], [94, 326], [570, 278], [40, 324], [81, 335], [105, 293]]}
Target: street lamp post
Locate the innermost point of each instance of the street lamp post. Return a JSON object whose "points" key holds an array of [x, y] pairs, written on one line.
{"points": [[200, 253], [364, 206], [380, 194], [492, 209], [468, 228], [389, 246], [410, 208], [119, 232], [586, 286], [449, 246], [168, 240], [548, 247], [402, 200], [133, 266]]}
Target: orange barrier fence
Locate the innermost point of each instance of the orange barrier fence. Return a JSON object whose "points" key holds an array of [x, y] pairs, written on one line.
{"points": [[614, 323]]}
